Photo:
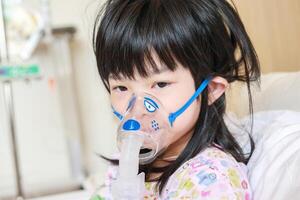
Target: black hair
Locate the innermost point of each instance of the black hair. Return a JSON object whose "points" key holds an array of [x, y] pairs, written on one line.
{"points": [[205, 36]]}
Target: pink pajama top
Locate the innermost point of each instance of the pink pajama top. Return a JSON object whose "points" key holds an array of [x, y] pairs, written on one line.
{"points": [[212, 174]]}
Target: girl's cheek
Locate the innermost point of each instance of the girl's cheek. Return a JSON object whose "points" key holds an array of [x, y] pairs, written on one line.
{"points": [[172, 101]]}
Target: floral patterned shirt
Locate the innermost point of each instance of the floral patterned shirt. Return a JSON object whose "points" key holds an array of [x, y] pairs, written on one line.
{"points": [[212, 174]]}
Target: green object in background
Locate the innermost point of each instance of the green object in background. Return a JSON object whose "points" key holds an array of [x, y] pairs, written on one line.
{"points": [[97, 197], [19, 71]]}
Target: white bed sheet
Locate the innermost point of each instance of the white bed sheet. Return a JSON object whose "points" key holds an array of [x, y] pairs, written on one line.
{"points": [[274, 167]]}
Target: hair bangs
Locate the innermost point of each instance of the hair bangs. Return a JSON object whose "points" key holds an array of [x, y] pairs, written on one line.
{"points": [[139, 38]]}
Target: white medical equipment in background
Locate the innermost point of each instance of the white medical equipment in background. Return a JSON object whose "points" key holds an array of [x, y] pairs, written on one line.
{"points": [[39, 124]]}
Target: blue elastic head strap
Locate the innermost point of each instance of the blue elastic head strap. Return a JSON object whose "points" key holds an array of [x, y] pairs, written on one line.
{"points": [[174, 115], [149, 103]]}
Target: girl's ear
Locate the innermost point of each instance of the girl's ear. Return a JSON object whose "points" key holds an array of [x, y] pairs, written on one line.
{"points": [[216, 88]]}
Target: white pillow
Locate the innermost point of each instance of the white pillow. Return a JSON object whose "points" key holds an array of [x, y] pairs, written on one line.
{"points": [[274, 165]]}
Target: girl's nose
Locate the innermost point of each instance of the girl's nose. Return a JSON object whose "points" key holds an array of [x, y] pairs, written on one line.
{"points": [[138, 111], [137, 107]]}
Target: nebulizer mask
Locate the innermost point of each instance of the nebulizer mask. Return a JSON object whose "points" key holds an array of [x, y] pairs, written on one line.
{"points": [[143, 134]]}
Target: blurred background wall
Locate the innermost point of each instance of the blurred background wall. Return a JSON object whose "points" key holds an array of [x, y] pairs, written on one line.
{"points": [[274, 27]]}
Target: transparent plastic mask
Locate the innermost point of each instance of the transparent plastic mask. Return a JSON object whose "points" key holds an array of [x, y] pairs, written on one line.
{"points": [[146, 117]]}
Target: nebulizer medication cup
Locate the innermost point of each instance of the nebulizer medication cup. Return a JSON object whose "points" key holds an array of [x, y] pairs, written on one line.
{"points": [[129, 185]]}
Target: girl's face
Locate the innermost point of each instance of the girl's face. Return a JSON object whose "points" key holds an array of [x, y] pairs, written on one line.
{"points": [[172, 89]]}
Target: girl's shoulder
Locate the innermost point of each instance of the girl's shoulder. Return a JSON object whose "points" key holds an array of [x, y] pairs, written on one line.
{"points": [[214, 158], [213, 174]]}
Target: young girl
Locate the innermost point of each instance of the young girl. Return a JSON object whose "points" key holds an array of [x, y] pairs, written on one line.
{"points": [[173, 50]]}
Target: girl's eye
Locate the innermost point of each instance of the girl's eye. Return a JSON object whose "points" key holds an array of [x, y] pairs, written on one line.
{"points": [[120, 88], [161, 84]]}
